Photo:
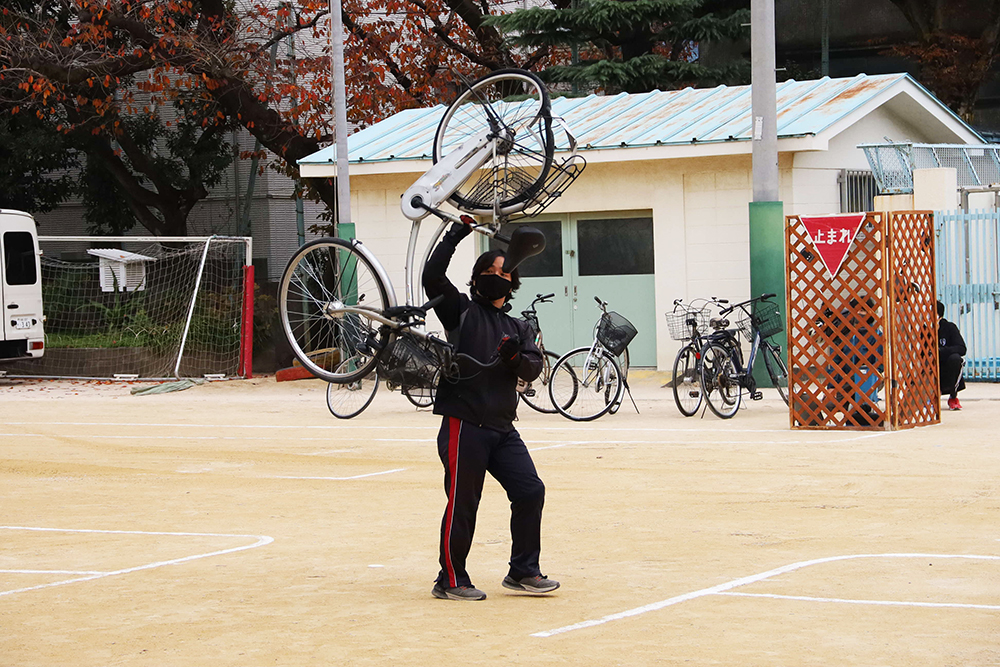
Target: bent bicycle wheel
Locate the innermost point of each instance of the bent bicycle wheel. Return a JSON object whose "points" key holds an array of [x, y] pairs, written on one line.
{"points": [[349, 399], [585, 385], [321, 279], [514, 105], [687, 381], [720, 382], [540, 399], [776, 370]]}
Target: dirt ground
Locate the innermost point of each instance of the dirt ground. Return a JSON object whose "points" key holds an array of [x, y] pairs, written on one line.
{"points": [[239, 523]]}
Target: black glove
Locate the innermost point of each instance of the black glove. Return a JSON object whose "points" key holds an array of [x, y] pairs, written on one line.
{"points": [[509, 350], [458, 231]]}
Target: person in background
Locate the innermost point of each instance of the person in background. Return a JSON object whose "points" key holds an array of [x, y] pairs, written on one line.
{"points": [[951, 358]]}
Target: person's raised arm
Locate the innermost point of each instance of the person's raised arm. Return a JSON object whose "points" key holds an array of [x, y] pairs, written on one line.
{"points": [[436, 281]]}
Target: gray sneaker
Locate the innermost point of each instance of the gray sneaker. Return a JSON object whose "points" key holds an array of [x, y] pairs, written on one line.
{"points": [[457, 593], [536, 584]]}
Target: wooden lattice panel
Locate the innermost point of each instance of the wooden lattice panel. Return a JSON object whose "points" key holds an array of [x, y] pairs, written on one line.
{"points": [[836, 339], [914, 397], [861, 349]]}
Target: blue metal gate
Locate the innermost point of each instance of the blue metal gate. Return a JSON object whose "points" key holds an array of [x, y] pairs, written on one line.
{"points": [[968, 280]]}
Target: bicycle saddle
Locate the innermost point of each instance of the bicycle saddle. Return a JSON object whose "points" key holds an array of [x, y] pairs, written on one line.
{"points": [[718, 323]]}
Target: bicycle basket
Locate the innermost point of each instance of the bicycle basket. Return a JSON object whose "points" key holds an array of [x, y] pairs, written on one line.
{"points": [[532, 321], [410, 363], [561, 175], [679, 322], [765, 318], [615, 332]]}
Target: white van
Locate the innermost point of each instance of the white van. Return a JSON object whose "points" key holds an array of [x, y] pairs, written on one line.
{"points": [[20, 288]]}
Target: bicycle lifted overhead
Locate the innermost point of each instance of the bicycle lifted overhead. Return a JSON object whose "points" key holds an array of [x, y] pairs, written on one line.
{"points": [[724, 375], [493, 156]]}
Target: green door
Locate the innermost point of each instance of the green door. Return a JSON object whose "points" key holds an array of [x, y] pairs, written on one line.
{"points": [[613, 260], [587, 257]]}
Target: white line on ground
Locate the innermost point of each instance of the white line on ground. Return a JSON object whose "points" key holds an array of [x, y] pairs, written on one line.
{"points": [[736, 583], [888, 603], [589, 427], [262, 540], [338, 479]]}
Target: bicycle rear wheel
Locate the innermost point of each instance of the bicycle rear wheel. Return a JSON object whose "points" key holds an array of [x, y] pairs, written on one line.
{"points": [[585, 385], [687, 381], [349, 399], [720, 381], [321, 278], [514, 104], [776, 370], [541, 400], [623, 364]]}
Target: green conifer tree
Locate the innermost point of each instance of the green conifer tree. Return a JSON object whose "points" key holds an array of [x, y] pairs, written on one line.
{"points": [[632, 45]]}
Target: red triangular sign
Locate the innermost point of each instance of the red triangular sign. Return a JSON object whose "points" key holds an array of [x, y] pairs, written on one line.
{"points": [[832, 236]]}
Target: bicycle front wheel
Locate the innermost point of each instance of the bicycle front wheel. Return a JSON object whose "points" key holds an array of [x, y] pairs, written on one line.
{"points": [[720, 381], [687, 381], [585, 384], [776, 370], [541, 400], [623, 364], [320, 279], [421, 397], [349, 399], [513, 104]]}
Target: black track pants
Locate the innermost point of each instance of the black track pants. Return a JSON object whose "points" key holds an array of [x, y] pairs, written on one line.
{"points": [[952, 381], [468, 452]]}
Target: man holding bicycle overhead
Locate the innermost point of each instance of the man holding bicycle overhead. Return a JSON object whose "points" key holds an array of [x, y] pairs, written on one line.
{"points": [[477, 434]]}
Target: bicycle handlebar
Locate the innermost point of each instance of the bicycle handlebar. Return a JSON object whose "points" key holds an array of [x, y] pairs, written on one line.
{"points": [[743, 304]]}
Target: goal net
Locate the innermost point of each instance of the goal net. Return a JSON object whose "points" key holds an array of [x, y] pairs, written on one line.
{"points": [[144, 308]]}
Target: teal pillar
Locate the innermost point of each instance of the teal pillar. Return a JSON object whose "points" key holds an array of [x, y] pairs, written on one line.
{"points": [[767, 265]]}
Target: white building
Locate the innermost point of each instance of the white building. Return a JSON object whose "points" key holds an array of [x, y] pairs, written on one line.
{"points": [[661, 212]]}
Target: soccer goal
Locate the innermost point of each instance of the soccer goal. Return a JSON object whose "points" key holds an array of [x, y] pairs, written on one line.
{"points": [[145, 308]]}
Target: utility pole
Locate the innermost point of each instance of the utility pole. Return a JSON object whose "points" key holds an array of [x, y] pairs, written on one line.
{"points": [[767, 220], [340, 112], [764, 109]]}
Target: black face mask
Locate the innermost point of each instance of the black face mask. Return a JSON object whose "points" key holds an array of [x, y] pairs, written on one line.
{"points": [[491, 286]]}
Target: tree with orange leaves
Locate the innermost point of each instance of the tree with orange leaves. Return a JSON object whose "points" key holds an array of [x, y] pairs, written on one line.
{"points": [[185, 71]]}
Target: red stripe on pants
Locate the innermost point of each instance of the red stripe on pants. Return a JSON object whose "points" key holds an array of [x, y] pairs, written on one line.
{"points": [[454, 433]]}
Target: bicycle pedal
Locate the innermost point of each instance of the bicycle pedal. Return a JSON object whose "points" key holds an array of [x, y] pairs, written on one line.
{"points": [[756, 396]]}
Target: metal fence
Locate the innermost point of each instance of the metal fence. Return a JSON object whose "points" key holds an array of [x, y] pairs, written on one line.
{"points": [[968, 279], [857, 191], [893, 164]]}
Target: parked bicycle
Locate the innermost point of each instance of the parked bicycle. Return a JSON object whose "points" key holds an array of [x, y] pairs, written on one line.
{"points": [[493, 157], [536, 393], [724, 375], [349, 399], [689, 322], [590, 381]]}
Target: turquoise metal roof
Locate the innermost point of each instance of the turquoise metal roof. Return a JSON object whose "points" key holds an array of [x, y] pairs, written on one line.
{"points": [[658, 118]]}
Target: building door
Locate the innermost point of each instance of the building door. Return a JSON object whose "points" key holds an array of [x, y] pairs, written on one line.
{"points": [[587, 256]]}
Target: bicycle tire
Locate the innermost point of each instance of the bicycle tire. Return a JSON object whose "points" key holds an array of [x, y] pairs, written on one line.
{"points": [[349, 399], [596, 384], [720, 383], [542, 400], [623, 362], [687, 381], [776, 370], [524, 158], [313, 284], [420, 397]]}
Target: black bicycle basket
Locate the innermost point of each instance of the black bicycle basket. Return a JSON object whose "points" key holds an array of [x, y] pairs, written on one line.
{"points": [[409, 362], [765, 318], [532, 320], [615, 332]]}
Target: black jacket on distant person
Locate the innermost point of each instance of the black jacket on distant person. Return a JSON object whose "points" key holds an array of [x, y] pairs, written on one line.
{"points": [[951, 349], [487, 398]]}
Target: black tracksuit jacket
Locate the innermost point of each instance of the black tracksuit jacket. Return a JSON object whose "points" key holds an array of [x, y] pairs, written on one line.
{"points": [[487, 398]]}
